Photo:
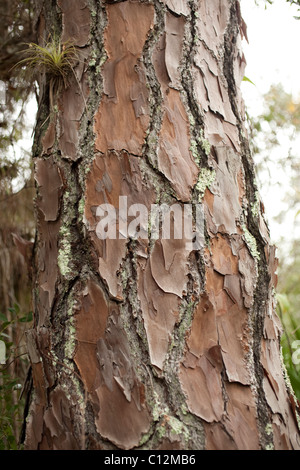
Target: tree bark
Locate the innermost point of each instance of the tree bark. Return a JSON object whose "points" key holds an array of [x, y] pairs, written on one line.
{"points": [[142, 343]]}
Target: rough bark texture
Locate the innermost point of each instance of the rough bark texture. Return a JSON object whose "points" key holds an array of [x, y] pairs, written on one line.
{"points": [[144, 343]]}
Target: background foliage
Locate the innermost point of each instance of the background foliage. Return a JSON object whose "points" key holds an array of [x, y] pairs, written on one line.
{"points": [[13, 371], [16, 214], [280, 121]]}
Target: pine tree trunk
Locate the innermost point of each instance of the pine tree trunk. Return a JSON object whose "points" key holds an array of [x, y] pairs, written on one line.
{"points": [[151, 342]]}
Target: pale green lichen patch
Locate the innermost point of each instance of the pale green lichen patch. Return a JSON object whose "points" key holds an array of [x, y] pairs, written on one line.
{"points": [[251, 243], [93, 58], [204, 143], [68, 236], [198, 140], [206, 177], [194, 151], [70, 331], [81, 207], [65, 252], [103, 59], [269, 429], [269, 447], [255, 205], [191, 119], [177, 427], [71, 340], [184, 409], [158, 409]]}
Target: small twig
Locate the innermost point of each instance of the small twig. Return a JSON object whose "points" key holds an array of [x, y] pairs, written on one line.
{"points": [[2, 369]]}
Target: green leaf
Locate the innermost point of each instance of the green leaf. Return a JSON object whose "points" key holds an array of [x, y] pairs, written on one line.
{"points": [[5, 325], [5, 335], [2, 317], [15, 309], [283, 301], [27, 318], [246, 79], [2, 352]]}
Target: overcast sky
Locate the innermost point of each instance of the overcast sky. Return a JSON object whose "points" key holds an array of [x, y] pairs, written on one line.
{"points": [[274, 38]]}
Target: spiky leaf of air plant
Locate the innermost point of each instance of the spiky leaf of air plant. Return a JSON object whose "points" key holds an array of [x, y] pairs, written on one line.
{"points": [[54, 59]]}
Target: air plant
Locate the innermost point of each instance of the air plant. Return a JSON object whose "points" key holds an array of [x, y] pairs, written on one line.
{"points": [[55, 59]]}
